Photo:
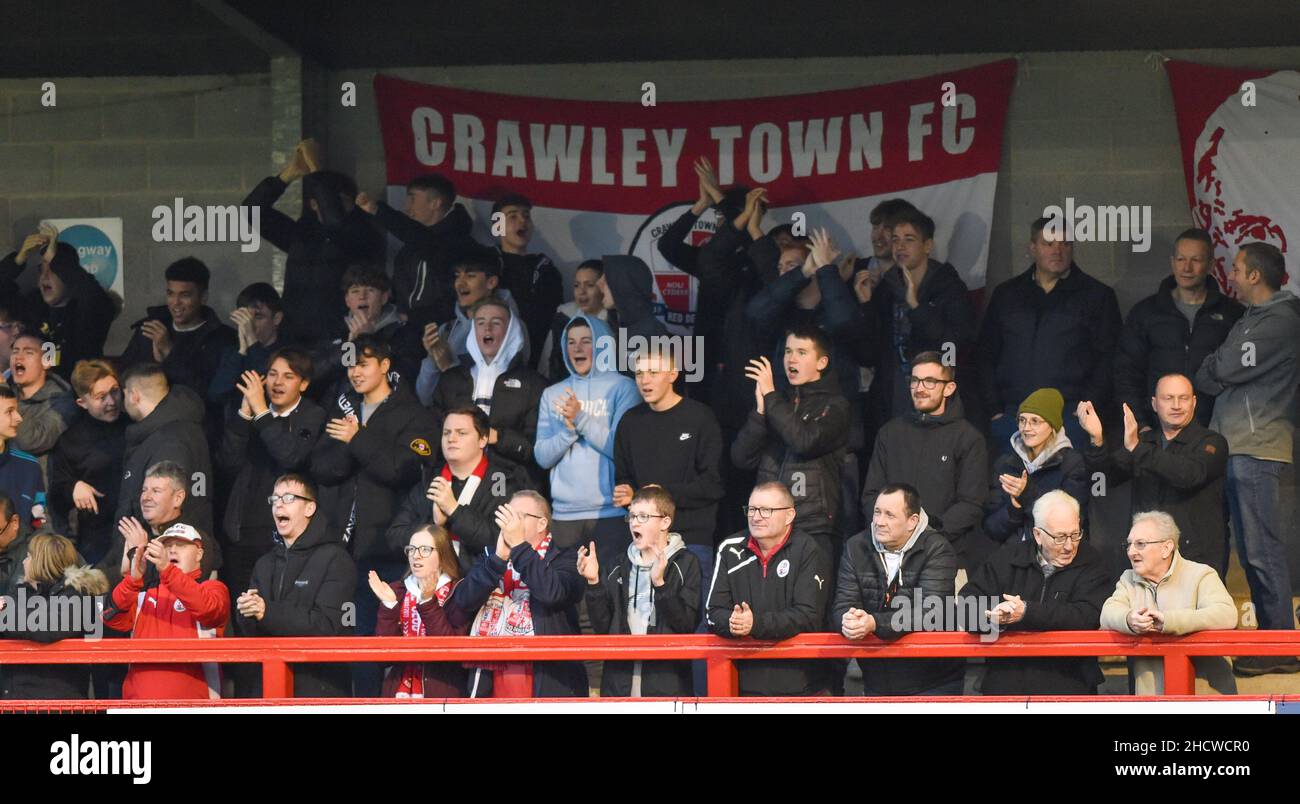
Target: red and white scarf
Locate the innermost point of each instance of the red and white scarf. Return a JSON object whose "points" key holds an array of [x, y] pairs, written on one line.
{"points": [[507, 611], [467, 493], [412, 681]]}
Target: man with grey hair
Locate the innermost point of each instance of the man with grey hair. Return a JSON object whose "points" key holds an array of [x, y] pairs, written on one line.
{"points": [[1057, 582], [1165, 593], [1254, 375], [162, 503]]}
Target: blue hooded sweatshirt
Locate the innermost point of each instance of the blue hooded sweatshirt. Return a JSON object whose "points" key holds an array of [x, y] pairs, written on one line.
{"points": [[581, 460]]}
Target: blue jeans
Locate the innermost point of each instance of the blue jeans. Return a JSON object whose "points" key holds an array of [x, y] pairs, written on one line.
{"points": [[705, 555], [1254, 505]]}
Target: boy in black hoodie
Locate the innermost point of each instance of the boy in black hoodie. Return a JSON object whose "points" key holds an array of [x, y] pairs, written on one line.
{"points": [[433, 229], [366, 291], [68, 307], [375, 438], [798, 437], [330, 235], [532, 279], [628, 288], [301, 587]]}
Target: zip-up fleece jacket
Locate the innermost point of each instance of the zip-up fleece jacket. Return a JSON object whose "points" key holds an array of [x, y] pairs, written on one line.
{"points": [[306, 586], [372, 471], [1255, 405], [788, 592], [677, 611], [928, 568], [180, 606], [799, 441], [1157, 341], [1069, 600], [581, 460]]}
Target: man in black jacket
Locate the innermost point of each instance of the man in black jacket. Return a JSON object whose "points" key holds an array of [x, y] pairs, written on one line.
{"points": [[68, 307], [495, 376], [628, 289], [935, 450], [532, 279], [167, 425], [303, 587], [882, 572], [799, 439], [330, 235], [184, 336], [366, 291], [464, 492], [1177, 468], [919, 305], [771, 581], [1172, 331], [271, 433], [1056, 582], [370, 455], [433, 229], [1052, 326], [86, 466]]}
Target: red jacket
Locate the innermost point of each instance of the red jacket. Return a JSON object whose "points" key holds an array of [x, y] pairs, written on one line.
{"points": [[180, 606]]}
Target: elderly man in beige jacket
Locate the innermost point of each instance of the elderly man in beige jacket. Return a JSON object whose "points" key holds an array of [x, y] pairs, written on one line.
{"points": [[1165, 593]]}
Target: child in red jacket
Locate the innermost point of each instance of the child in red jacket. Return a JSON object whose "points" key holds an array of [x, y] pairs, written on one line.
{"points": [[181, 605]]}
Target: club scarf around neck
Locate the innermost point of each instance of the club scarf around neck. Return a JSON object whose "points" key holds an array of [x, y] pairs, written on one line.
{"points": [[412, 683], [466, 495]]}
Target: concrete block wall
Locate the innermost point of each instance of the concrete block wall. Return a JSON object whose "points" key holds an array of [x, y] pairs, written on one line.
{"points": [[117, 147]]}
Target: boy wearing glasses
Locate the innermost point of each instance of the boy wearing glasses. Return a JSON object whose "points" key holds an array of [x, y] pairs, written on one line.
{"points": [[1056, 582], [654, 588], [771, 581], [301, 587]]}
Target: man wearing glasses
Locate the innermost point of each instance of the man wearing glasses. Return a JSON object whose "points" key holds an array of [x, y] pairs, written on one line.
{"points": [[1057, 582], [303, 587], [1164, 593], [936, 451], [771, 581]]}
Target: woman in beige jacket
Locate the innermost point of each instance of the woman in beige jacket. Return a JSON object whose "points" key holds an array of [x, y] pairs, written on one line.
{"points": [[1165, 593]]}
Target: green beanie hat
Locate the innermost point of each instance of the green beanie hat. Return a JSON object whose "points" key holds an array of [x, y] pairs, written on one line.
{"points": [[1046, 403]]}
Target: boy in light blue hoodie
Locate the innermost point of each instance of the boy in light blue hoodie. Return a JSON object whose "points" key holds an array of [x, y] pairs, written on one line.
{"points": [[576, 422]]}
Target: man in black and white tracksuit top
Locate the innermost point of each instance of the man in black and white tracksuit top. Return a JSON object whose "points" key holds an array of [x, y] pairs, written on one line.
{"points": [[772, 582]]}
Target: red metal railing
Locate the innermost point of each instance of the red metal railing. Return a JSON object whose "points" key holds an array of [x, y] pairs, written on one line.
{"points": [[721, 655]]}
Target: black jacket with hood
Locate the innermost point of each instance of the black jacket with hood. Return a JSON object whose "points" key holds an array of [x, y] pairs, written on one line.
{"points": [[800, 441], [373, 471], [928, 564], [422, 267], [676, 611], [173, 431], [788, 594], [944, 458], [1157, 340], [80, 326], [92, 451], [319, 250], [80, 587], [1069, 600], [306, 586], [1059, 466], [632, 285], [515, 396], [195, 355]]}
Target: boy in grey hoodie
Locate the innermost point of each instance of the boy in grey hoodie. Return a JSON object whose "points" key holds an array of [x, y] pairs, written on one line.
{"points": [[1254, 376]]}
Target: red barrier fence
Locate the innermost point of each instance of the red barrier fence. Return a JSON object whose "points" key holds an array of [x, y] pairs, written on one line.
{"points": [[721, 655]]}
